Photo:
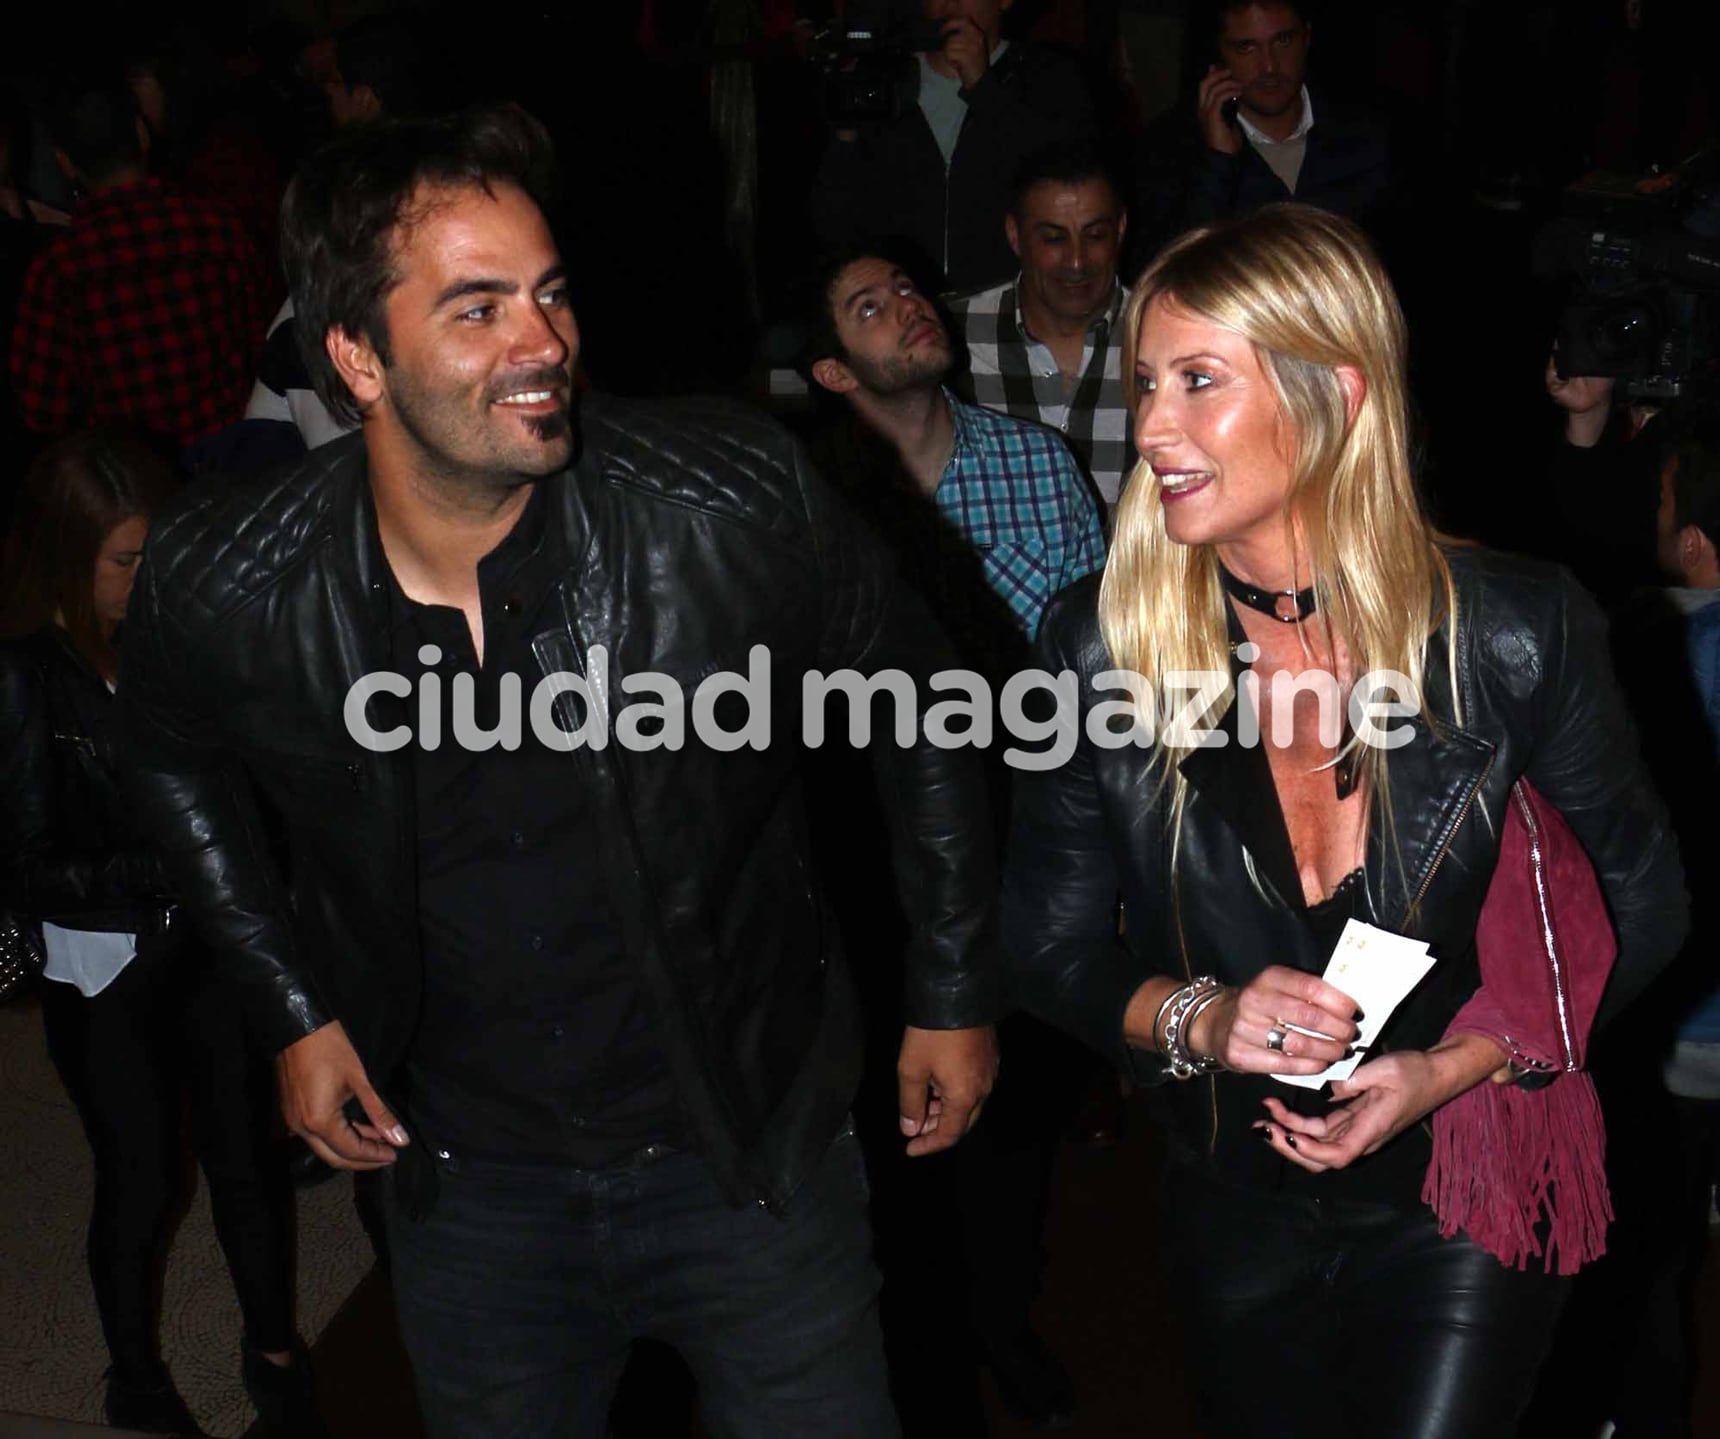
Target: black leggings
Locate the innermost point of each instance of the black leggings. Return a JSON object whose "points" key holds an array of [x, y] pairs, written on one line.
{"points": [[1309, 1317], [127, 1058]]}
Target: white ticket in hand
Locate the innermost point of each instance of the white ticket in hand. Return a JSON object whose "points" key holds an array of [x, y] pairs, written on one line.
{"points": [[1377, 969]]}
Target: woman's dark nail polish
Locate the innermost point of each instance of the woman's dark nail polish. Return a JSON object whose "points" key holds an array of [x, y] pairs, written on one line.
{"points": [[1266, 1134], [1289, 1138]]}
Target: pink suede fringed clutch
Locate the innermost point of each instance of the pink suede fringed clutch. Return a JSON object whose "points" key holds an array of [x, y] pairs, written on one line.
{"points": [[1508, 1156]]}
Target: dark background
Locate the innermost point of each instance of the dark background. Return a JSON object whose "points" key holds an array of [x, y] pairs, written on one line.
{"points": [[689, 132]]}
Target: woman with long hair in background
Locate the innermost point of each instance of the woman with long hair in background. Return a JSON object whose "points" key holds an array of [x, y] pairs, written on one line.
{"points": [[132, 1018]]}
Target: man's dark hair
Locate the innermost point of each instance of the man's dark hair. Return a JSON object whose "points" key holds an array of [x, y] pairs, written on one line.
{"points": [[96, 125], [817, 307], [340, 213], [1218, 12], [391, 54], [1068, 162]]}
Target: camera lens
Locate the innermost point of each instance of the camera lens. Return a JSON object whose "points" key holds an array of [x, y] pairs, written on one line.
{"points": [[1625, 331]]}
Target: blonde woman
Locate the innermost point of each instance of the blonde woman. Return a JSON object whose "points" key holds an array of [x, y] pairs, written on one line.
{"points": [[1271, 536]]}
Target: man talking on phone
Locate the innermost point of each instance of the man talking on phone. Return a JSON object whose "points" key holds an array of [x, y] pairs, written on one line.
{"points": [[1262, 138]]}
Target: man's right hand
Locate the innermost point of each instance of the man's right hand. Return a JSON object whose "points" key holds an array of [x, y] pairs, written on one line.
{"points": [[967, 51], [1218, 86], [317, 1075]]}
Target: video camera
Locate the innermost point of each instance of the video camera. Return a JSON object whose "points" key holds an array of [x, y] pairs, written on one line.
{"points": [[866, 60], [1644, 260]]}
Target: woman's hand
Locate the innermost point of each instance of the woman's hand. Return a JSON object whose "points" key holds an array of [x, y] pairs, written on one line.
{"points": [[1379, 1101], [1248, 1029]]}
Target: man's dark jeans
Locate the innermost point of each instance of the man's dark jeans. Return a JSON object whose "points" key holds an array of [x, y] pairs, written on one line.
{"points": [[521, 1292]]}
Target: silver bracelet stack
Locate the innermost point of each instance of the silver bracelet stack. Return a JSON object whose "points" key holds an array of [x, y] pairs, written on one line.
{"points": [[1176, 1018]]}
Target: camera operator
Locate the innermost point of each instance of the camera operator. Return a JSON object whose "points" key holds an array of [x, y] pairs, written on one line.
{"points": [[1602, 488], [938, 172]]}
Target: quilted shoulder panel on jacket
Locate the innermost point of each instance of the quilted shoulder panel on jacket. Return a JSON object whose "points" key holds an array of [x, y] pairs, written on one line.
{"points": [[715, 455], [220, 543]]}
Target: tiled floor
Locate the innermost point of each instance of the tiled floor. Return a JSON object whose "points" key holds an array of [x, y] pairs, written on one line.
{"points": [[51, 1351]]}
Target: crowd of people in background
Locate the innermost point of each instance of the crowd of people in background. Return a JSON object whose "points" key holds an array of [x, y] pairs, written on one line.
{"points": [[924, 253]]}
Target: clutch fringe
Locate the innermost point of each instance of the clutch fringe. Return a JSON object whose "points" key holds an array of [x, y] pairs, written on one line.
{"points": [[1505, 1159]]}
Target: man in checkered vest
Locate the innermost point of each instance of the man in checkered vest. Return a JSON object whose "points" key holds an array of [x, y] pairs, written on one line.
{"points": [[1047, 346]]}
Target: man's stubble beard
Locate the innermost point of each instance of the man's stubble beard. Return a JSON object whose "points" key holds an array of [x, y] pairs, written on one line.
{"points": [[898, 376], [485, 467]]}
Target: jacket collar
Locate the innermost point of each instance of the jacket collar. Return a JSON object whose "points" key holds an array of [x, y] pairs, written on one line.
{"points": [[362, 567], [359, 563]]}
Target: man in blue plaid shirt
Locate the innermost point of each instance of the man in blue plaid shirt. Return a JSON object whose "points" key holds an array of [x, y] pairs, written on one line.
{"points": [[1009, 489], [989, 517]]}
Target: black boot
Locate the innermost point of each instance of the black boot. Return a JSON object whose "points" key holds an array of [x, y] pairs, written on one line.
{"points": [[285, 1395], [149, 1404]]}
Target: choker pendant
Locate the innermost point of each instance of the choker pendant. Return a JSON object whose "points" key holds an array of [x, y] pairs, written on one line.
{"points": [[1286, 606]]}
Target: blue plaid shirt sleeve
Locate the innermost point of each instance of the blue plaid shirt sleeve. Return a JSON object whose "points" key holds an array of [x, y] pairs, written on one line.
{"points": [[1014, 493], [1082, 529]]}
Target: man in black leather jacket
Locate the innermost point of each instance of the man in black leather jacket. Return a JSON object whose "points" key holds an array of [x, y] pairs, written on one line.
{"points": [[588, 1000]]}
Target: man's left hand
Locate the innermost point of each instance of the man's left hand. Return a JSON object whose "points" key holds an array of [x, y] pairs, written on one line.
{"points": [[943, 1077]]}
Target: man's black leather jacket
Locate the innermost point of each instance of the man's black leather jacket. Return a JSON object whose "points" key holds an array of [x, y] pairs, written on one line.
{"points": [[695, 531], [1538, 699]]}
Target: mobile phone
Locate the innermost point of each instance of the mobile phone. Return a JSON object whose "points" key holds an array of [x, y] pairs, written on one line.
{"points": [[1228, 109]]}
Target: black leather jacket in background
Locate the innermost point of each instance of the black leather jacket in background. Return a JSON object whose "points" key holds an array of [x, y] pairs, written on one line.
{"points": [[694, 531], [1538, 699], [68, 850]]}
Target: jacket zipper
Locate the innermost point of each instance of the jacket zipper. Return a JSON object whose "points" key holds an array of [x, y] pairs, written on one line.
{"points": [[603, 777], [1451, 834], [1439, 859], [948, 167]]}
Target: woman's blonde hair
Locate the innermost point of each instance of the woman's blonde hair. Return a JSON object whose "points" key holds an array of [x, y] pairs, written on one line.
{"points": [[1307, 291]]}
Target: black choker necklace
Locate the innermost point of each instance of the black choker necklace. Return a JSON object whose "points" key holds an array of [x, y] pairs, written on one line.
{"points": [[1289, 606]]}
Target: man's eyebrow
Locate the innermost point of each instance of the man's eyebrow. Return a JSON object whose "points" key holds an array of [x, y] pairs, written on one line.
{"points": [[865, 290], [461, 288], [485, 286]]}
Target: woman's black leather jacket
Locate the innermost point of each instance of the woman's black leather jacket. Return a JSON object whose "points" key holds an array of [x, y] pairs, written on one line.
{"points": [[1538, 698], [68, 851]]}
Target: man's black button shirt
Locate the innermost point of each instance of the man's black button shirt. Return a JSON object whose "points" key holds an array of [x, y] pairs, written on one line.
{"points": [[536, 1040]]}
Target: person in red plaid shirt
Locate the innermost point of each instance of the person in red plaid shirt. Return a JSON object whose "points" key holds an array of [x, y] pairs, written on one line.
{"points": [[148, 308]]}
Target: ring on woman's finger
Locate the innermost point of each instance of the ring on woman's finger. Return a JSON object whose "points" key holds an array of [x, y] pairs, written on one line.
{"points": [[1275, 1038]]}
